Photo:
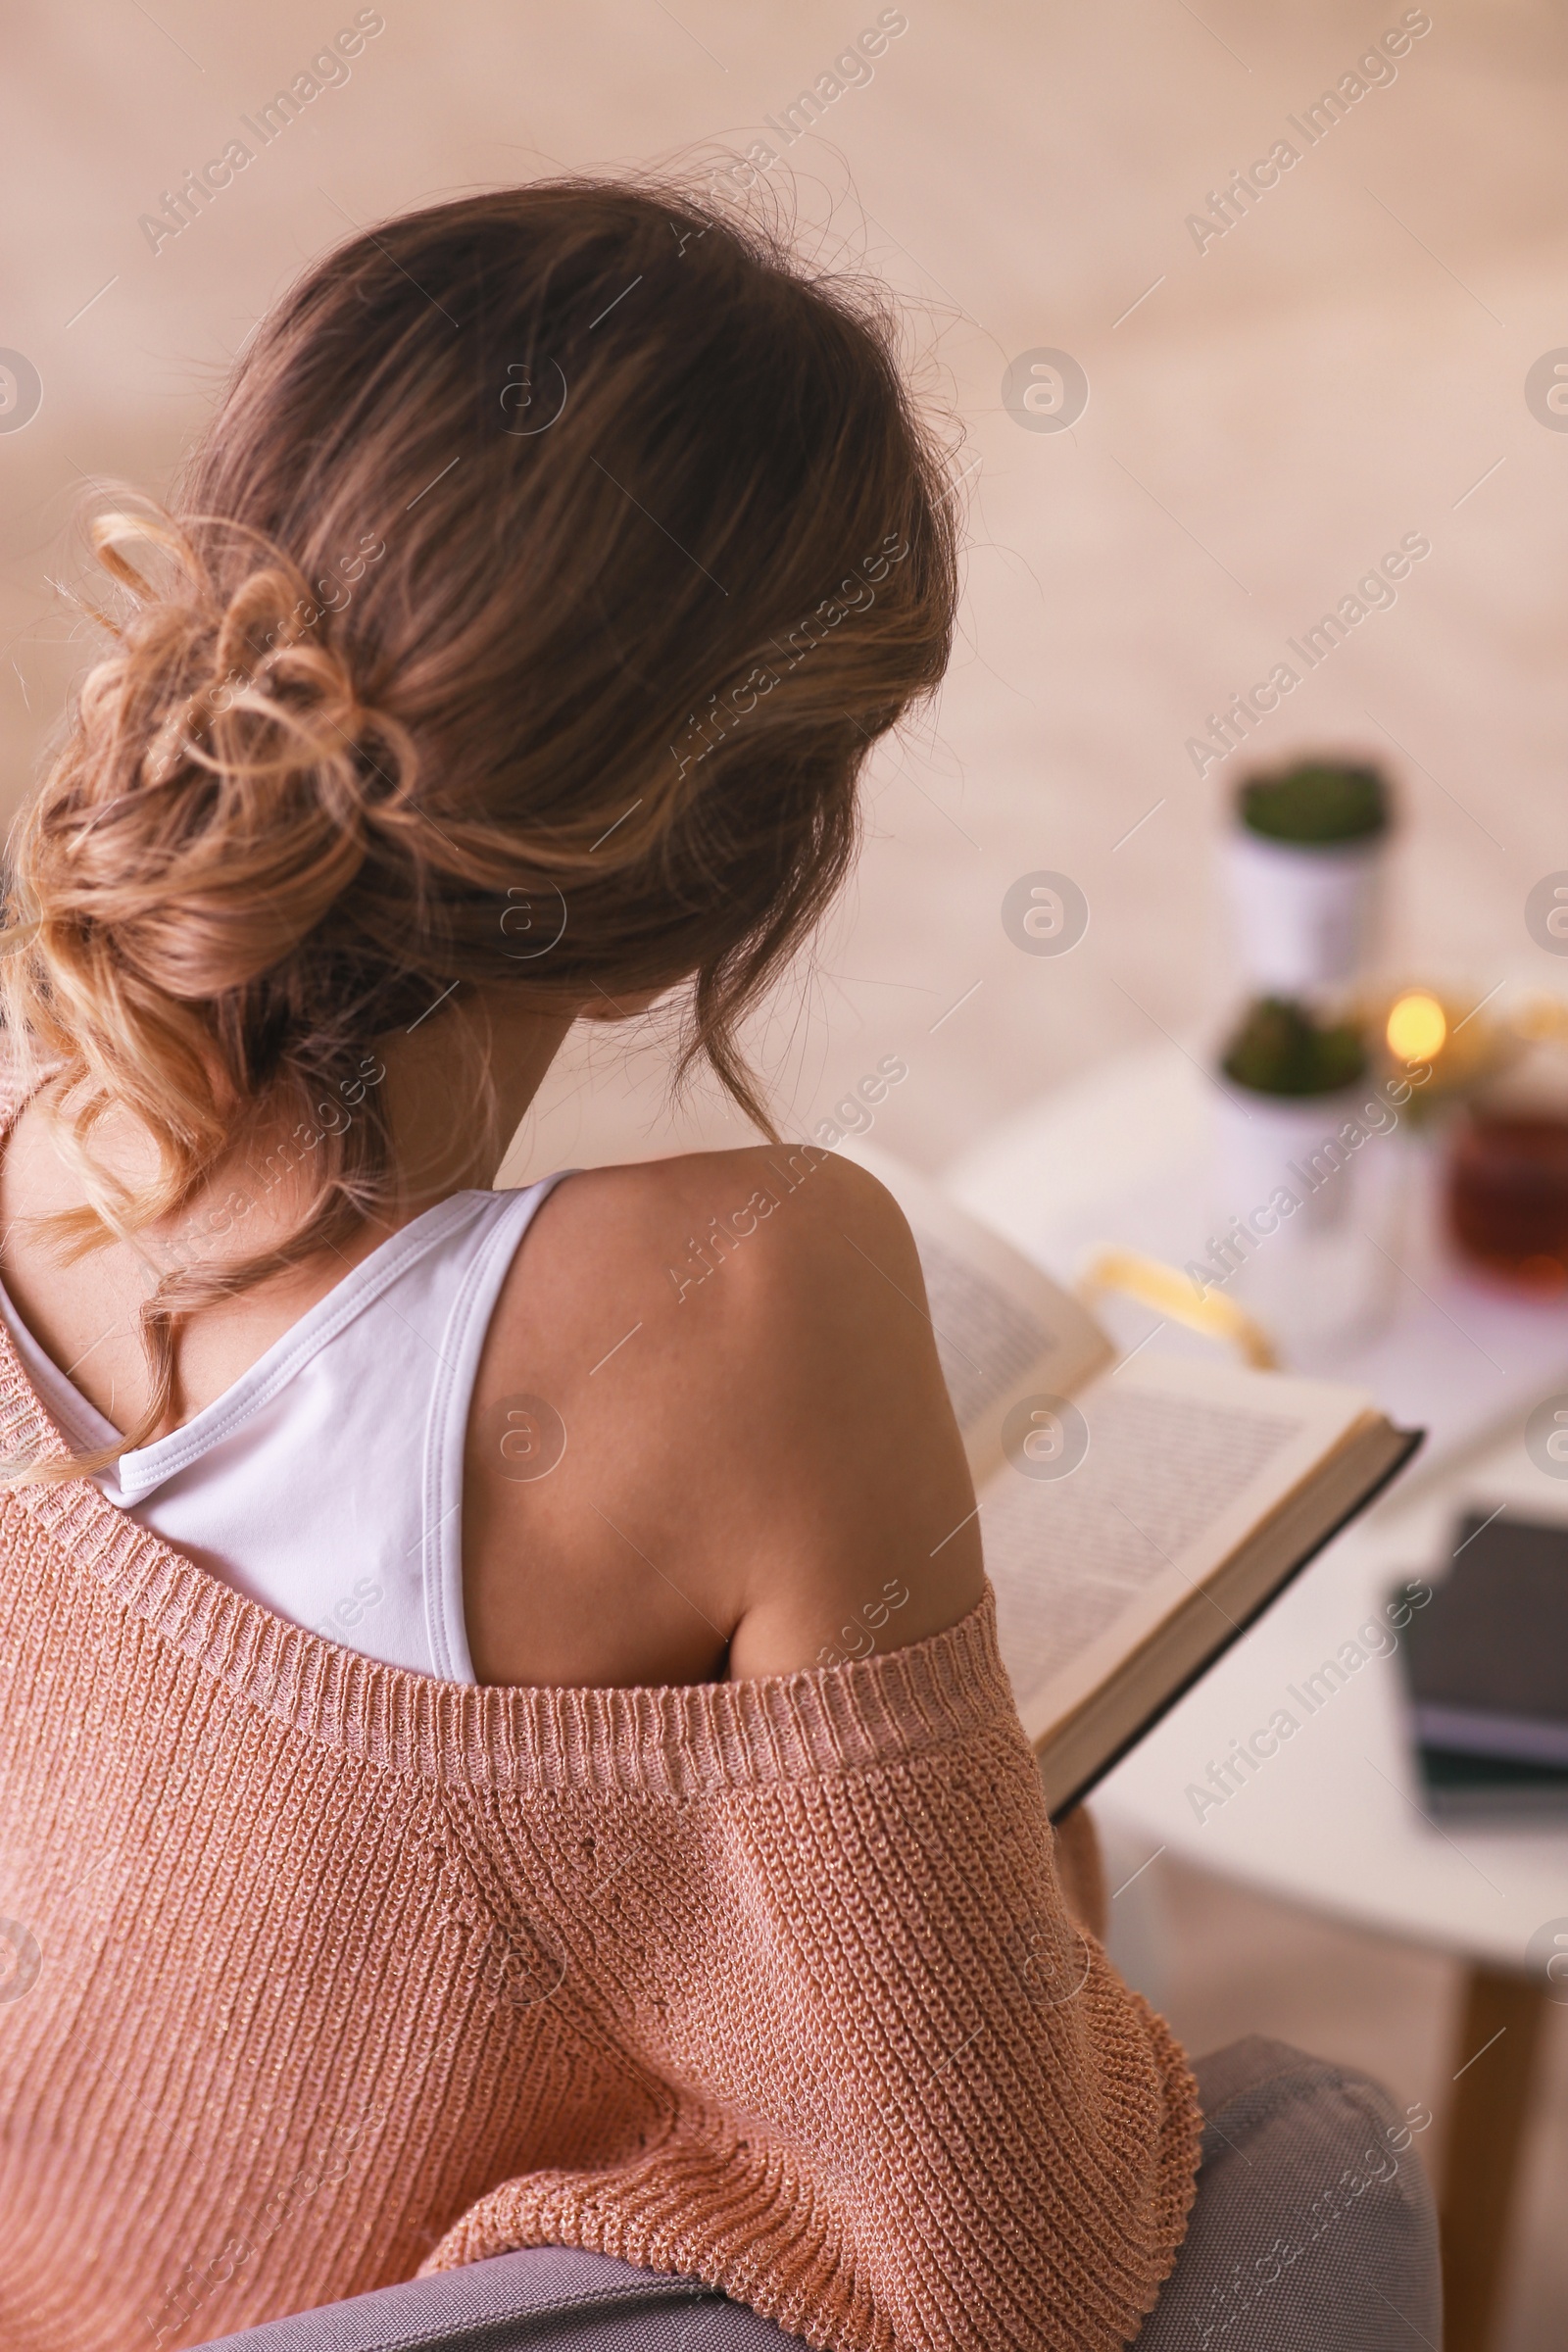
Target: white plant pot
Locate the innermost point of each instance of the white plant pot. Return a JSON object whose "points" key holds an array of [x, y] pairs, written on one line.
{"points": [[1308, 1214], [1306, 916]]}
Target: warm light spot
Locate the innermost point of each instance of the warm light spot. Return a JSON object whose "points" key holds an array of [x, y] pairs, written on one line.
{"points": [[1417, 1027]]}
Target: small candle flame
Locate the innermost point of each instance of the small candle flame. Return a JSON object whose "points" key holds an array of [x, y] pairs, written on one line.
{"points": [[1417, 1027]]}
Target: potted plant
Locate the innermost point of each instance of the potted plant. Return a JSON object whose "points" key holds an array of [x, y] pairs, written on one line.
{"points": [[1306, 858], [1306, 1176]]}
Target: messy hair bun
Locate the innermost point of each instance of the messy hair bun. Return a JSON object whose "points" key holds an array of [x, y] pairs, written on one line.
{"points": [[551, 564]]}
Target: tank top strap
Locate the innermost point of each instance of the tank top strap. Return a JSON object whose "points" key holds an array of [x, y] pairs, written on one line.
{"points": [[488, 1263]]}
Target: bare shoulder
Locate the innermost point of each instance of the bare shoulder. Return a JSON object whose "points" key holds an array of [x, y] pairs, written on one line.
{"points": [[738, 1348], [699, 1213]]}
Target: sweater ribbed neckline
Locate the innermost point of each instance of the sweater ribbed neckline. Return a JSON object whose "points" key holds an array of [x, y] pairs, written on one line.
{"points": [[669, 1742]]}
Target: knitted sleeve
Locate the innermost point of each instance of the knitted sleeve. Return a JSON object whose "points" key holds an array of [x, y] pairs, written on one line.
{"points": [[889, 2094]]}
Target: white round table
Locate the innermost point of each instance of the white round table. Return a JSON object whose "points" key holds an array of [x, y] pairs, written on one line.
{"points": [[1335, 1818]]}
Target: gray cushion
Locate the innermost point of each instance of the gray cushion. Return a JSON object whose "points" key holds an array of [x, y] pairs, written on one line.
{"points": [[1314, 2229]]}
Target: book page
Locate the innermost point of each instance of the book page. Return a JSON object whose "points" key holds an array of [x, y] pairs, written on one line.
{"points": [[1184, 1460], [1005, 1331]]}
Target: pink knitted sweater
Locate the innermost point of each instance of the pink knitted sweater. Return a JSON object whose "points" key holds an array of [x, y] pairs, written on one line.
{"points": [[315, 1972]]}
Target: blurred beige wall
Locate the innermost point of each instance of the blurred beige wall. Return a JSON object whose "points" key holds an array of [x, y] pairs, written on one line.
{"points": [[1267, 415]]}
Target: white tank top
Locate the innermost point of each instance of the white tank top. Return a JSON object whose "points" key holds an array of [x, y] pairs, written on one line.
{"points": [[327, 1483]]}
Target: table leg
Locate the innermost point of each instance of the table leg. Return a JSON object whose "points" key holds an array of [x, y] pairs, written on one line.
{"points": [[1499, 2024]]}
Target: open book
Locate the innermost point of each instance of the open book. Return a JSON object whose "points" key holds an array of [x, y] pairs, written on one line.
{"points": [[1136, 1516]]}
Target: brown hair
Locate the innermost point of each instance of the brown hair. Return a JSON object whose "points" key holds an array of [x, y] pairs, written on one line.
{"points": [[550, 566]]}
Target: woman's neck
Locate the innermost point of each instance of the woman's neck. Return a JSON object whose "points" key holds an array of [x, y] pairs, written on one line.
{"points": [[457, 1085]]}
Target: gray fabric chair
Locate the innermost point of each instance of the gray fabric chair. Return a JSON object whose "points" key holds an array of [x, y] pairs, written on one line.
{"points": [[1315, 2227], [1313, 2230]]}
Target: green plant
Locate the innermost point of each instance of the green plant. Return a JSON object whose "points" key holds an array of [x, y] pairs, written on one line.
{"points": [[1318, 801], [1280, 1048]]}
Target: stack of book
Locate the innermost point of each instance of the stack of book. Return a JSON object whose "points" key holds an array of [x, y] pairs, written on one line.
{"points": [[1487, 1670]]}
